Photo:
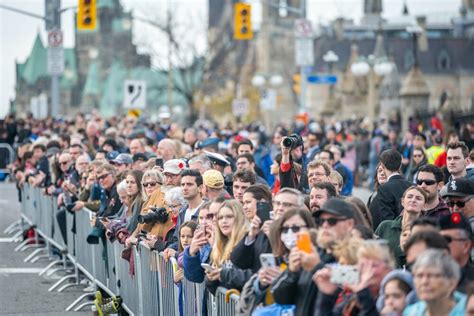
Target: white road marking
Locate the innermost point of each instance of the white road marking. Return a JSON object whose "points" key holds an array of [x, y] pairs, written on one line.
{"points": [[20, 270], [7, 239]]}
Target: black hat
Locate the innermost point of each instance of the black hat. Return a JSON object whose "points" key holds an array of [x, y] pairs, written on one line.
{"points": [[337, 206], [217, 158], [456, 220], [139, 156], [460, 188], [208, 142]]}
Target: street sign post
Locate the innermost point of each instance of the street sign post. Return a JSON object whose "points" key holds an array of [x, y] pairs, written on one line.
{"points": [[304, 55], [134, 94], [240, 107], [322, 79], [55, 52]]}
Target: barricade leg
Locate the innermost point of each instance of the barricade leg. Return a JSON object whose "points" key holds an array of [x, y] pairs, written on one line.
{"points": [[34, 254], [14, 227], [78, 300]]}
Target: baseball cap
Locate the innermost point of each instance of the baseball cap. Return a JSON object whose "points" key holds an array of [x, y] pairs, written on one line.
{"points": [[112, 155], [139, 156], [459, 188], [123, 159], [174, 166], [337, 207], [455, 220], [213, 179]]}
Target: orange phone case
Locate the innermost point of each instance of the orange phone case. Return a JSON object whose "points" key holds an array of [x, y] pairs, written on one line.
{"points": [[304, 242]]}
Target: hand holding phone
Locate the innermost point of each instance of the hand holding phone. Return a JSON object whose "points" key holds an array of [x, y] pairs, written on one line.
{"points": [[344, 274], [263, 211], [303, 242], [267, 260], [207, 267]]}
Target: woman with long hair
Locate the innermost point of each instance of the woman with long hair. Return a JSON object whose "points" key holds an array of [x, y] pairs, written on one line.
{"points": [[418, 159], [231, 228]]}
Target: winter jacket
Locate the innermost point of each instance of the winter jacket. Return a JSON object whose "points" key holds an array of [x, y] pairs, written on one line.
{"points": [[247, 256], [192, 264], [420, 307], [391, 230], [231, 278], [298, 288], [361, 303]]}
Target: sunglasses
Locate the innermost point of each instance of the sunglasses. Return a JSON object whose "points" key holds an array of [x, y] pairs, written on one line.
{"points": [[102, 177], [294, 229], [150, 184], [458, 203], [332, 221], [426, 181], [450, 239], [417, 156], [64, 163]]}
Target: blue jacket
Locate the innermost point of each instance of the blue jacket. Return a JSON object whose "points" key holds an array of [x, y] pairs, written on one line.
{"points": [[347, 176], [420, 307], [192, 264], [264, 161]]}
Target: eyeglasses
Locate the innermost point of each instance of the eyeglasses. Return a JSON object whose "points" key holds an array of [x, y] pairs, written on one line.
{"points": [[417, 156], [426, 181], [450, 239], [294, 229], [284, 204], [64, 163], [332, 221], [102, 177], [149, 184], [458, 203], [175, 206]]}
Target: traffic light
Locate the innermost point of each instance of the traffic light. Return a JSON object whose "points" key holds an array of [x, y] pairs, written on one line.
{"points": [[242, 21], [297, 83], [86, 15]]}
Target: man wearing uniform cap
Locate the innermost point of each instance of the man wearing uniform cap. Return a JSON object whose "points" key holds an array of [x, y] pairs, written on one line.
{"points": [[210, 144], [457, 231], [213, 185], [219, 162], [172, 171], [460, 196]]}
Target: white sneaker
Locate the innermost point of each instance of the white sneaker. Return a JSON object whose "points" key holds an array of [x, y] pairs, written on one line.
{"points": [[90, 288]]}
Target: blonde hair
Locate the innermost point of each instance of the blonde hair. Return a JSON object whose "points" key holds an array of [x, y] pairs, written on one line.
{"points": [[224, 245], [348, 249], [377, 250]]}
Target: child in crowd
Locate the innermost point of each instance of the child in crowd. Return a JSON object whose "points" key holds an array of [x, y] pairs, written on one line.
{"points": [[186, 234]]}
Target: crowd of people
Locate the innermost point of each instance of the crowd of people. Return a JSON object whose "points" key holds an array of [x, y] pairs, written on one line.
{"points": [[273, 215]]}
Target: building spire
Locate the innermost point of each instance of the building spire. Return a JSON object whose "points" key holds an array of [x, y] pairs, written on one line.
{"points": [[405, 9]]}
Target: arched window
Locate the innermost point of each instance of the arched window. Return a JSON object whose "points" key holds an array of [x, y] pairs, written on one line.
{"points": [[444, 61]]}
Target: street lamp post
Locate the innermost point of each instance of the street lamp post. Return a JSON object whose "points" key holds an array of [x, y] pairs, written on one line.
{"points": [[266, 85], [374, 68], [330, 58]]}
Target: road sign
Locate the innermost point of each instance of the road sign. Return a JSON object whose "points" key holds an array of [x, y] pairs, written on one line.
{"points": [[240, 107], [304, 55], [322, 79], [268, 99], [303, 29], [134, 94], [55, 52]]}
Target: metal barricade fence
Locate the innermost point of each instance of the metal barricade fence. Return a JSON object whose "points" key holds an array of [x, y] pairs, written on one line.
{"points": [[128, 288], [57, 237], [150, 291]]}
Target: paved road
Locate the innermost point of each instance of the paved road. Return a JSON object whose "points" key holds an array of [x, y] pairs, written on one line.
{"points": [[22, 291]]}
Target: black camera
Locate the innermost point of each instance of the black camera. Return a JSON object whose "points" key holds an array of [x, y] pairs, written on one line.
{"points": [[156, 215], [293, 141]]}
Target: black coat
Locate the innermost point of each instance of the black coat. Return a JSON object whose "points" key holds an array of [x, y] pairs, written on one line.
{"points": [[298, 288], [248, 256], [386, 205]]}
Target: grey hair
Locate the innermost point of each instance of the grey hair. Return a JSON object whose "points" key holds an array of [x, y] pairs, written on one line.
{"points": [[154, 174], [296, 192], [122, 186], [438, 259], [175, 195], [203, 160]]}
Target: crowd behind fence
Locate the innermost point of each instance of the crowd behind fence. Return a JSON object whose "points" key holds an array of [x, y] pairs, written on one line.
{"points": [[150, 290]]}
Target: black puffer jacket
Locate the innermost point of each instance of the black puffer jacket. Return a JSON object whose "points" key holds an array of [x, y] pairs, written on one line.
{"points": [[248, 256]]}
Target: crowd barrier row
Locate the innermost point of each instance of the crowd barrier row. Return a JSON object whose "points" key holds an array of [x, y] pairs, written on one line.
{"points": [[148, 289]]}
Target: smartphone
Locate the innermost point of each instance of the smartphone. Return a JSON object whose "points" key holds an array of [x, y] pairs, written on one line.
{"points": [[303, 242], [263, 211], [207, 267], [267, 260], [159, 162], [344, 274]]}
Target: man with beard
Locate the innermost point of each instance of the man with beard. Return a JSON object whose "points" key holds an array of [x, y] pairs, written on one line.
{"points": [[320, 193], [430, 179]]}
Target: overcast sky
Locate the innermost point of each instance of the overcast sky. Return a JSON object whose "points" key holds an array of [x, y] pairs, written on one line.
{"points": [[17, 32]]}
